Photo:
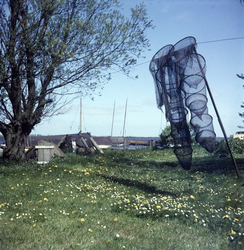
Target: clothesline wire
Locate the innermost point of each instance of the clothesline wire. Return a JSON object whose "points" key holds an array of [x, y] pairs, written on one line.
{"points": [[211, 41]]}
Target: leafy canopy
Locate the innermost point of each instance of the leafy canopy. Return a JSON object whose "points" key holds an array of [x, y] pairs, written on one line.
{"points": [[52, 48]]}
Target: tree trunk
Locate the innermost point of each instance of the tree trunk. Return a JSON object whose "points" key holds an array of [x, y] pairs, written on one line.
{"points": [[15, 143]]}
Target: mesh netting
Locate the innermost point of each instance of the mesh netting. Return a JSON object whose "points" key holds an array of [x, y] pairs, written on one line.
{"points": [[179, 76]]}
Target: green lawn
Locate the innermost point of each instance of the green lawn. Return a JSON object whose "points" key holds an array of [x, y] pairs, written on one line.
{"points": [[138, 199]]}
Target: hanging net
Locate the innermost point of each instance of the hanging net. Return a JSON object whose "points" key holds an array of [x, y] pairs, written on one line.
{"points": [[179, 76]]}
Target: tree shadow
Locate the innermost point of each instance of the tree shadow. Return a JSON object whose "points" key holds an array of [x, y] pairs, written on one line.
{"points": [[133, 183]]}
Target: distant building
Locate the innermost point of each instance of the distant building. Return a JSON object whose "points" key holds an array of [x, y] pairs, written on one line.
{"points": [[239, 135]]}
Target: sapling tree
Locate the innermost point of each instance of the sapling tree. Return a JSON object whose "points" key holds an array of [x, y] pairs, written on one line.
{"points": [[241, 114]]}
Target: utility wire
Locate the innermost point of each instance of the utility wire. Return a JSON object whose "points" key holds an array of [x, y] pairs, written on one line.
{"points": [[211, 41], [222, 40]]}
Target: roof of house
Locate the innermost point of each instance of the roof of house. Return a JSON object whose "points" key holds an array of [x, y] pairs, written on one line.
{"points": [[33, 140], [103, 140]]}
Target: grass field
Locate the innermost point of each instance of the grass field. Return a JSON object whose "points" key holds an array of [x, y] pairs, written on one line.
{"points": [[138, 199]]}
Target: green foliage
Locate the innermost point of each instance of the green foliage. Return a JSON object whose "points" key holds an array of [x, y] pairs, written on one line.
{"points": [[55, 49], [138, 199], [165, 137], [236, 146], [221, 149]]}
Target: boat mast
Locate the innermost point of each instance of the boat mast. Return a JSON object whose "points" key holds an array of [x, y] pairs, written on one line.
{"points": [[125, 121], [80, 115], [113, 120]]}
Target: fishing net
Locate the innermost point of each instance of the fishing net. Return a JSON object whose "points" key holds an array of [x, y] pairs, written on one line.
{"points": [[179, 76]]}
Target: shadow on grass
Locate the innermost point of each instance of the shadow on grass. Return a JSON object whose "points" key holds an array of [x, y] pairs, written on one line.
{"points": [[207, 164], [133, 183], [158, 165], [144, 165], [216, 165]]}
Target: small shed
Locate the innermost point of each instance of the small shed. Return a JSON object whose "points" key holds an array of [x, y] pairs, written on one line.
{"points": [[44, 151]]}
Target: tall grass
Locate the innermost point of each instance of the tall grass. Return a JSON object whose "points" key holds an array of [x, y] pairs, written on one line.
{"points": [[138, 199]]}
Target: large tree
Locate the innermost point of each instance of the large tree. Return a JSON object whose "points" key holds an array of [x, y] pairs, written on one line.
{"points": [[50, 49]]}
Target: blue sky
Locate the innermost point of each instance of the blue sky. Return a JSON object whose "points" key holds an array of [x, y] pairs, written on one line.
{"points": [[206, 20]]}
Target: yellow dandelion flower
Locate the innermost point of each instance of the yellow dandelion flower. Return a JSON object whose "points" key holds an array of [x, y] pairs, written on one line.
{"points": [[73, 212], [236, 219], [233, 232], [55, 166], [82, 219], [116, 219], [58, 179], [192, 197], [45, 199], [158, 206]]}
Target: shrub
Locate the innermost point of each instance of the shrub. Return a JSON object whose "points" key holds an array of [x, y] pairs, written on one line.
{"points": [[165, 137], [236, 146]]}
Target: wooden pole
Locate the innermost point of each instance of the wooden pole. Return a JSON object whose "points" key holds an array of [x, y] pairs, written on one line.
{"points": [[85, 144], [96, 145], [218, 116]]}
